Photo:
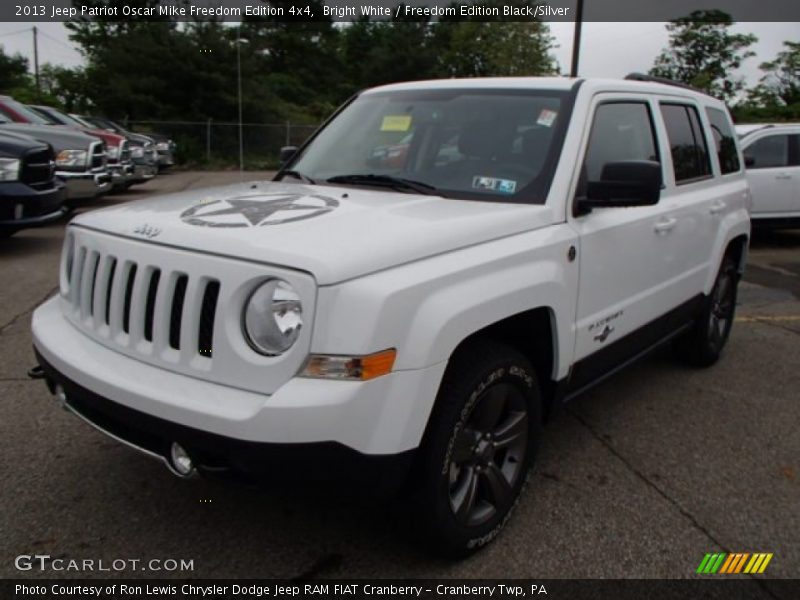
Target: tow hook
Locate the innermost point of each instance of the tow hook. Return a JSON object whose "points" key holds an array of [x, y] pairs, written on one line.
{"points": [[36, 372]]}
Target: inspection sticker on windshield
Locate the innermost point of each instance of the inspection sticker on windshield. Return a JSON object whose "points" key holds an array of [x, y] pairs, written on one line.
{"points": [[396, 123], [547, 117], [502, 186]]}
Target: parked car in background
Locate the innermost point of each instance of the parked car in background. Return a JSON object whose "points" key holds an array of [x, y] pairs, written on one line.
{"points": [[120, 163], [165, 146], [30, 193], [772, 159], [143, 150], [81, 160]]}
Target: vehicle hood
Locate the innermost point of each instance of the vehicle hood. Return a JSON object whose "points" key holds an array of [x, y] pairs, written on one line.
{"points": [[111, 139], [61, 138], [335, 233], [15, 145]]}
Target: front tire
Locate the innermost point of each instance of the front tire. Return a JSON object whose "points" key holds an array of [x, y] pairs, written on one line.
{"points": [[703, 344], [481, 442]]}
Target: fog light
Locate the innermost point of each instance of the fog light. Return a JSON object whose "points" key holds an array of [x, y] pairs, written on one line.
{"points": [[180, 460]]}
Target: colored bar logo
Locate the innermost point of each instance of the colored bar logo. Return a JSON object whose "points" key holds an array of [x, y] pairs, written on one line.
{"points": [[737, 562]]}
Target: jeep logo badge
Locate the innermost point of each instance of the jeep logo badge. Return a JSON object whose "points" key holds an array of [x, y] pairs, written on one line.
{"points": [[258, 210]]}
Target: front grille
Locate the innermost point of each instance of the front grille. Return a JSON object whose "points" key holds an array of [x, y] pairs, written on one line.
{"points": [[97, 155], [37, 169], [176, 309], [143, 302], [124, 151]]}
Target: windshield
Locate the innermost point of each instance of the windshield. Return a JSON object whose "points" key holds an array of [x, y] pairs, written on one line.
{"points": [[475, 144], [83, 122], [63, 119], [26, 112]]}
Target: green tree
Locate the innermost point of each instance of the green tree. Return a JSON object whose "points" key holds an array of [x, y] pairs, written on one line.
{"points": [[781, 81], [494, 49], [704, 53], [13, 72]]}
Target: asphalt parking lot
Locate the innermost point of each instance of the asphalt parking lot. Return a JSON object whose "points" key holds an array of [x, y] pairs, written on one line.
{"points": [[638, 478]]}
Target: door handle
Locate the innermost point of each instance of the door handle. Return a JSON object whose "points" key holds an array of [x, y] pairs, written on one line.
{"points": [[665, 225], [717, 208], [783, 176]]}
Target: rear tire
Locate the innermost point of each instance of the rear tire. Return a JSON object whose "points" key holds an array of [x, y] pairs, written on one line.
{"points": [[480, 444], [703, 344]]}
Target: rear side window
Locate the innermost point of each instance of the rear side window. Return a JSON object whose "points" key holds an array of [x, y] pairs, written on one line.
{"points": [[724, 140], [621, 131], [769, 152], [686, 141]]}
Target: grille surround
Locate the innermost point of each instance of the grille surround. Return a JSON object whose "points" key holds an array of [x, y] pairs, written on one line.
{"points": [[94, 302], [38, 169]]}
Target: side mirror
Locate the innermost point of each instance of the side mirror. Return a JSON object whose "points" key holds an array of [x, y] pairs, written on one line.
{"points": [[623, 183], [287, 153], [749, 161]]}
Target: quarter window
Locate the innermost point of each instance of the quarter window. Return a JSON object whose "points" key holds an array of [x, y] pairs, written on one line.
{"points": [[687, 145], [724, 140], [621, 131]]}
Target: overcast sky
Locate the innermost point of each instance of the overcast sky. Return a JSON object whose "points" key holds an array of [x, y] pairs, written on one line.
{"points": [[607, 49]]}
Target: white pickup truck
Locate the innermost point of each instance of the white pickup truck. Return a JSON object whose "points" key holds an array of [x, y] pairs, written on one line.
{"points": [[436, 269], [772, 159]]}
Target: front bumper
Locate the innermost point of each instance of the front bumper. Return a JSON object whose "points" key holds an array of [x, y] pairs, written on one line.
{"points": [[215, 454], [22, 207], [165, 158], [144, 172], [121, 173], [85, 184], [376, 422]]}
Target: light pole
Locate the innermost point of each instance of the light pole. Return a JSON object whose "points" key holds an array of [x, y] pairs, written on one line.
{"points": [[239, 42], [576, 40]]}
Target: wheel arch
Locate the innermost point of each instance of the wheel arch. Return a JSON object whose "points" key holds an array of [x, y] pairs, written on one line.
{"points": [[534, 334]]}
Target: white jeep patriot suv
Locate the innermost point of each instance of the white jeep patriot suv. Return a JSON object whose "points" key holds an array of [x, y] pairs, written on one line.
{"points": [[435, 270]]}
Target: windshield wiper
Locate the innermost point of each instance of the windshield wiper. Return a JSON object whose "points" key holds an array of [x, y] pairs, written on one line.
{"points": [[385, 180], [297, 175]]}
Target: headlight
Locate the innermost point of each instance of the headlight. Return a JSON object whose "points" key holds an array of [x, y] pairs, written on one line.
{"points": [[113, 152], [9, 169], [273, 318], [164, 146], [72, 158], [137, 151]]}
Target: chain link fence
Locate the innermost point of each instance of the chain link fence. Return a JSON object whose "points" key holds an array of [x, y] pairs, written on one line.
{"points": [[216, 144]]}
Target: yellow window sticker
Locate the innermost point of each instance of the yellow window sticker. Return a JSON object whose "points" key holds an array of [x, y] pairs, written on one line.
{"points": [[396, 123]]}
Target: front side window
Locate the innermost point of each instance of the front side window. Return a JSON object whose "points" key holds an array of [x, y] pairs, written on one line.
{"points": [[498, 145], [768, 152], [622, 131], [724, 139], [690, 160]]}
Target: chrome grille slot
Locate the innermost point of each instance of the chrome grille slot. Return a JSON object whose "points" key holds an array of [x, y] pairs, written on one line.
{"points": [[208, 310], [150, 309], [109, 281], [77, 278], [176, 312], [130, 281]]}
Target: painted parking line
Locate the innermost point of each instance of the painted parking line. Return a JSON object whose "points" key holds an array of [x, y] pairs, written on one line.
{"points": [[767, 319]]}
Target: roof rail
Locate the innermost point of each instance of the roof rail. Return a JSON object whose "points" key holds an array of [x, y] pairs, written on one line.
{"points": [[664, 80]]}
